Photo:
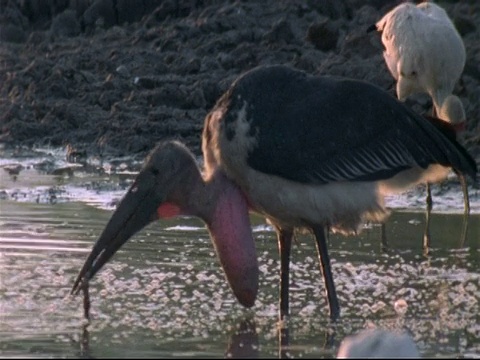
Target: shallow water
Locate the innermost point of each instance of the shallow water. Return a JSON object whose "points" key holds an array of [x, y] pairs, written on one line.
{"points": [[164, 294]]}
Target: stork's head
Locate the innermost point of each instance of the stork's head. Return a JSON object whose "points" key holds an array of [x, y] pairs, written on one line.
{"points": [[169, 184]]}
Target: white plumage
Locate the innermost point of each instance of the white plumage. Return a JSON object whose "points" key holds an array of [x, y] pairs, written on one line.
{"points": [[424, 53], [379, 344]]}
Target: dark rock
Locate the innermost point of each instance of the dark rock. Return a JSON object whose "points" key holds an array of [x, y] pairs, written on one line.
{"points": [[12, 33], [323, 35], [65, 24]]}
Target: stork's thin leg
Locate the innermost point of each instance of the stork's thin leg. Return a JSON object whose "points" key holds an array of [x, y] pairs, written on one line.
{"points": [[429, 198], [84, 343], [322, 250], [284, 341], [284, 237]]}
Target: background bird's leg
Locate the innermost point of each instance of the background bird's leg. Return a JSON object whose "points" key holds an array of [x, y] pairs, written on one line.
{"points": [[284, 237], [383, 237], [429, 192], [426, 234], [463, 236], [322, 250], [466, 212], [466, 199], [295, 239]]}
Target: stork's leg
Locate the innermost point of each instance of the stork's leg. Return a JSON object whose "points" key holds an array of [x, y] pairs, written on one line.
{"points": [[84, 342], [284, 237], [429, 198], [284, 340], [322, 250]]}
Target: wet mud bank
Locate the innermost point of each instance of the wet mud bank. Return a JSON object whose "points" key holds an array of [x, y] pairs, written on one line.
{"points": [[112, 78]]}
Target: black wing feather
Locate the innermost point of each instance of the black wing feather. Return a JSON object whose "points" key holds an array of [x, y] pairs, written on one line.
{"points": [[316, 129]]}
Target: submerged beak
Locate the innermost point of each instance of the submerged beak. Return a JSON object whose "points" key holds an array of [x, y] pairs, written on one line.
{"points": [[168, 192], [137, 209]]}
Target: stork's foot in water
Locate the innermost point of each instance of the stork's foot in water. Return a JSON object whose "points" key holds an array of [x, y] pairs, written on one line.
{"points": [[284, 237], [86, 300], [85, 343], [283, 339], [322, 249], [243, 342]]}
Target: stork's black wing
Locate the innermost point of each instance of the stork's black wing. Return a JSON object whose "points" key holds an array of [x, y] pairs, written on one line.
{"points": [[315, 129]]}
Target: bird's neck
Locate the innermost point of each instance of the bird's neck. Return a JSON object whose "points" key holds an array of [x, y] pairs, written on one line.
{"points": [[225, 210], [207, 193]]}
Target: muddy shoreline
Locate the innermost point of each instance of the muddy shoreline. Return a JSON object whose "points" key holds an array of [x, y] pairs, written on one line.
{"points": [[111, 79]]}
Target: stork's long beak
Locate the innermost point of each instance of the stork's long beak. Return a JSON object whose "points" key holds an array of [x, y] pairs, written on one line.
{"points": [[228, 223], [136, 210]]}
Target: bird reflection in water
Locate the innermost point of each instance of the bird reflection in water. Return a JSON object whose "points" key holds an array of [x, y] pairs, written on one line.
{"points": [[243, 342]]}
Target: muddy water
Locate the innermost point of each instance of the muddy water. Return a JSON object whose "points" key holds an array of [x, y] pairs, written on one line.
{"points": [[164, 295]]}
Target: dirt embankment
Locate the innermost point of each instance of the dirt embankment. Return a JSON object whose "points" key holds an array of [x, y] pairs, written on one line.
{"points": [[116, 76]]}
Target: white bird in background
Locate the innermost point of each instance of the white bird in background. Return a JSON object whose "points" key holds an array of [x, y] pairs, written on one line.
{"points": [[425, 54]]}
